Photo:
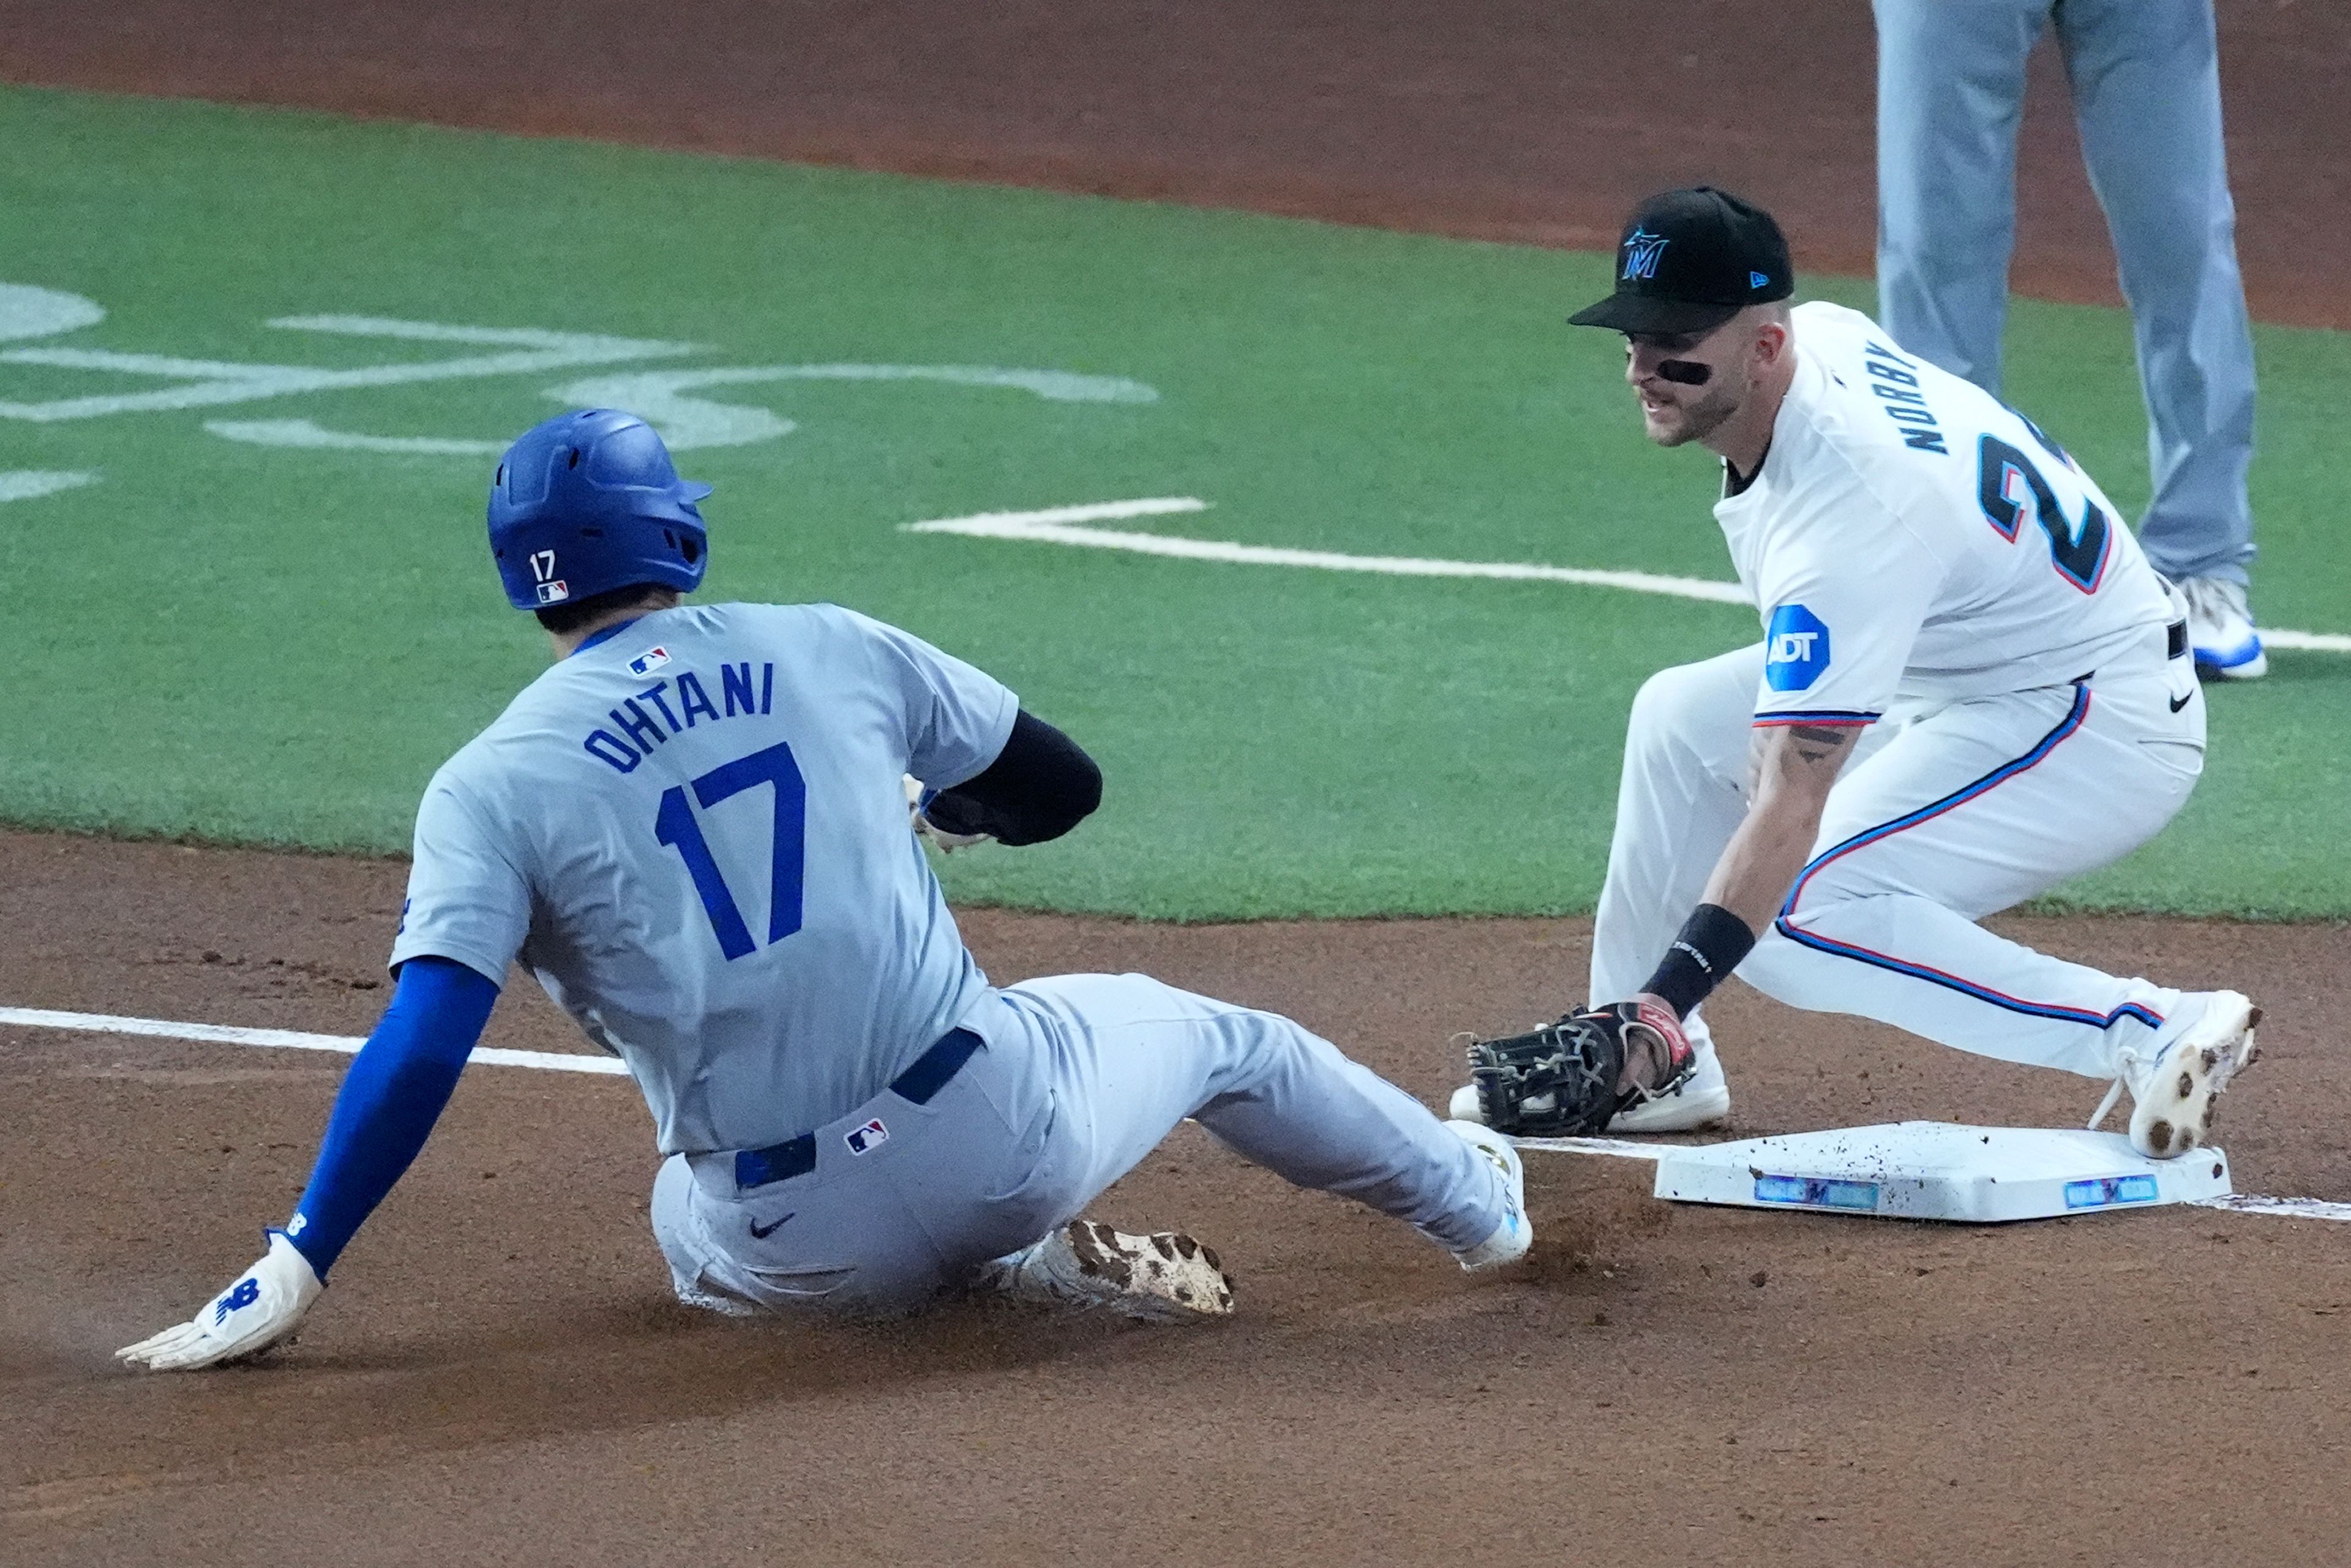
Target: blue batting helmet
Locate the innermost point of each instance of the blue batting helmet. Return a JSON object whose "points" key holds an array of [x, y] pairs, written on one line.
{"points": [[589, 502]]}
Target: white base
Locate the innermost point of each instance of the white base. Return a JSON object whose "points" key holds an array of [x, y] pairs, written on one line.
{"points": [[1940, 1170]]}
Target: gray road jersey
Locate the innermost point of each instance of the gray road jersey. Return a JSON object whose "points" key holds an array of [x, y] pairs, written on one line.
{"points": [[694, 833]]}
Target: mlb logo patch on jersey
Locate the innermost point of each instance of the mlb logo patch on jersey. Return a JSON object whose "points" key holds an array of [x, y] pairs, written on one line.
{"points": [[1795, 649], [646, 663], [867, 1137]]}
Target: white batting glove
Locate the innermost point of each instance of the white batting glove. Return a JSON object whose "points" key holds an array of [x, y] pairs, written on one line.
{"points": [[264, 1306], [938, 837]]}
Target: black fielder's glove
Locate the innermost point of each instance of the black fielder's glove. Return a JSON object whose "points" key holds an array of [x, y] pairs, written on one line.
{"points": [[1560, 1081]]}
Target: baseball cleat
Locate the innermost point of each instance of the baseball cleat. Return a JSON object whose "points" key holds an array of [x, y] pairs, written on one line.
{"points": [[2174, 1091], [1164, 1278], [1701, 1100], [1516, 1233], [2220, 632]]}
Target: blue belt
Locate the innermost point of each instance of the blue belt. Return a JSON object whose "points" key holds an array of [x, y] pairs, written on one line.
{"points": [[797, 1157]]}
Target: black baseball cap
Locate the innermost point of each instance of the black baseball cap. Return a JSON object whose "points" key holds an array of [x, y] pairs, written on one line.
{"points": [[1690, 261]]}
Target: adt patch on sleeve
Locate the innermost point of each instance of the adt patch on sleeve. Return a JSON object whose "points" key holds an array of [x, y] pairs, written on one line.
{"points": [[1796, 648]]}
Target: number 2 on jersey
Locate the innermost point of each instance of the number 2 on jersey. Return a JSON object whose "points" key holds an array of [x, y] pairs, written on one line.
{"points": [[2078, 551], [677, 827]]}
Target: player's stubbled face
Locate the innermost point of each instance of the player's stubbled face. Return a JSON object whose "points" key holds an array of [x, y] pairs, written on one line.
{"points": [[1687, 385]]}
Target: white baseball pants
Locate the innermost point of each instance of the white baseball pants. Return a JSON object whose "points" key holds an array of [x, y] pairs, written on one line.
{"points": [[1942, 817], [1081, 1077]]}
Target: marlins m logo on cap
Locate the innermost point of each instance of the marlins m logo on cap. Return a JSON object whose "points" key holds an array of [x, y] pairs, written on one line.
{"points": [[1642, 250]]}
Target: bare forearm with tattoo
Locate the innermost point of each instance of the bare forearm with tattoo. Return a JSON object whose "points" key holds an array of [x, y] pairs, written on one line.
{"points": [[1795, 766]]}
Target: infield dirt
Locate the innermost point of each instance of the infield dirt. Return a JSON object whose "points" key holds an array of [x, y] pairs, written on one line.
{"points": [[499, 1375]]}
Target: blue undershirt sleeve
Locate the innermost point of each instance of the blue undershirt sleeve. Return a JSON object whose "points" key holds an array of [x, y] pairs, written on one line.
{"points": [[390, 1099]]}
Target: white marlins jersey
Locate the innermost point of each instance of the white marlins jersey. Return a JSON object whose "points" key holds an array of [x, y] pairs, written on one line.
{"points": [[693, 831], [1909, 538]]}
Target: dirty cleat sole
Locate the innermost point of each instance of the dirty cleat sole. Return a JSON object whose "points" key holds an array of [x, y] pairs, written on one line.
{"points": [[1163, 1278], [2175, 1094]]}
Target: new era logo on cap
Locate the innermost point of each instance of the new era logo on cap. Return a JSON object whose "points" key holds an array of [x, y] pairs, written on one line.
{"points": [[1758, 280]]}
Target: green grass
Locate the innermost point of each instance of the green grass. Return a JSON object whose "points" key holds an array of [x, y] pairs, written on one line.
{"points": [[279, 646]]}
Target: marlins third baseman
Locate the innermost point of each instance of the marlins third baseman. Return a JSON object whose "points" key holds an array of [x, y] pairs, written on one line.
{"points": [[1971, 687], [692, 830]]}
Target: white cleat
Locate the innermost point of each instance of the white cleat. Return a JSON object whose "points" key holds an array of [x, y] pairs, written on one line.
{"points": [[1702, 1100], [1164, 1278], [2174, 1091], [1516, 1233], [2221, 633]]}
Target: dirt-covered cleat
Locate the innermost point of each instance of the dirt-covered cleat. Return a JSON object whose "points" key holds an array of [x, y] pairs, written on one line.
{"points": [[1164, 1278], [1516, 1233], [2174, 1091]]}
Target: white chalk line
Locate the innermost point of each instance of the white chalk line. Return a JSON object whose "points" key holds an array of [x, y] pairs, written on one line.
{"points": [[2306, 642], [2292, 1207], [560, 1062], [309, 434], [285, 1038], [1614, 1146], [1056, 526], [31, 484]]}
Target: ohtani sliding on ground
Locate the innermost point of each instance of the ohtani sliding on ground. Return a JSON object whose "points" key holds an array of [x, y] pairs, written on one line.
{"points": [[1971, 687], [692, 830]]}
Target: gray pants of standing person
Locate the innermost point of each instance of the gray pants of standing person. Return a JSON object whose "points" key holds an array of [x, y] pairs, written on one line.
{"points": [[2146, 81]]}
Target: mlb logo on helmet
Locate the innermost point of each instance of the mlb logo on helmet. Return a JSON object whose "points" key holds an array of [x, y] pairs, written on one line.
{"points": [[865, 1138], [552, 590], [646, 663], [1795, 649]]}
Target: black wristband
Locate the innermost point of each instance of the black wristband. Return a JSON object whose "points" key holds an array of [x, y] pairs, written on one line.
{"points": [[1711, 943]]}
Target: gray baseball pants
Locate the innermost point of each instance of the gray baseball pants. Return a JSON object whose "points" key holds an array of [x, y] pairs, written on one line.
{"points": [[2145, 83], [1081, 1077]]}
